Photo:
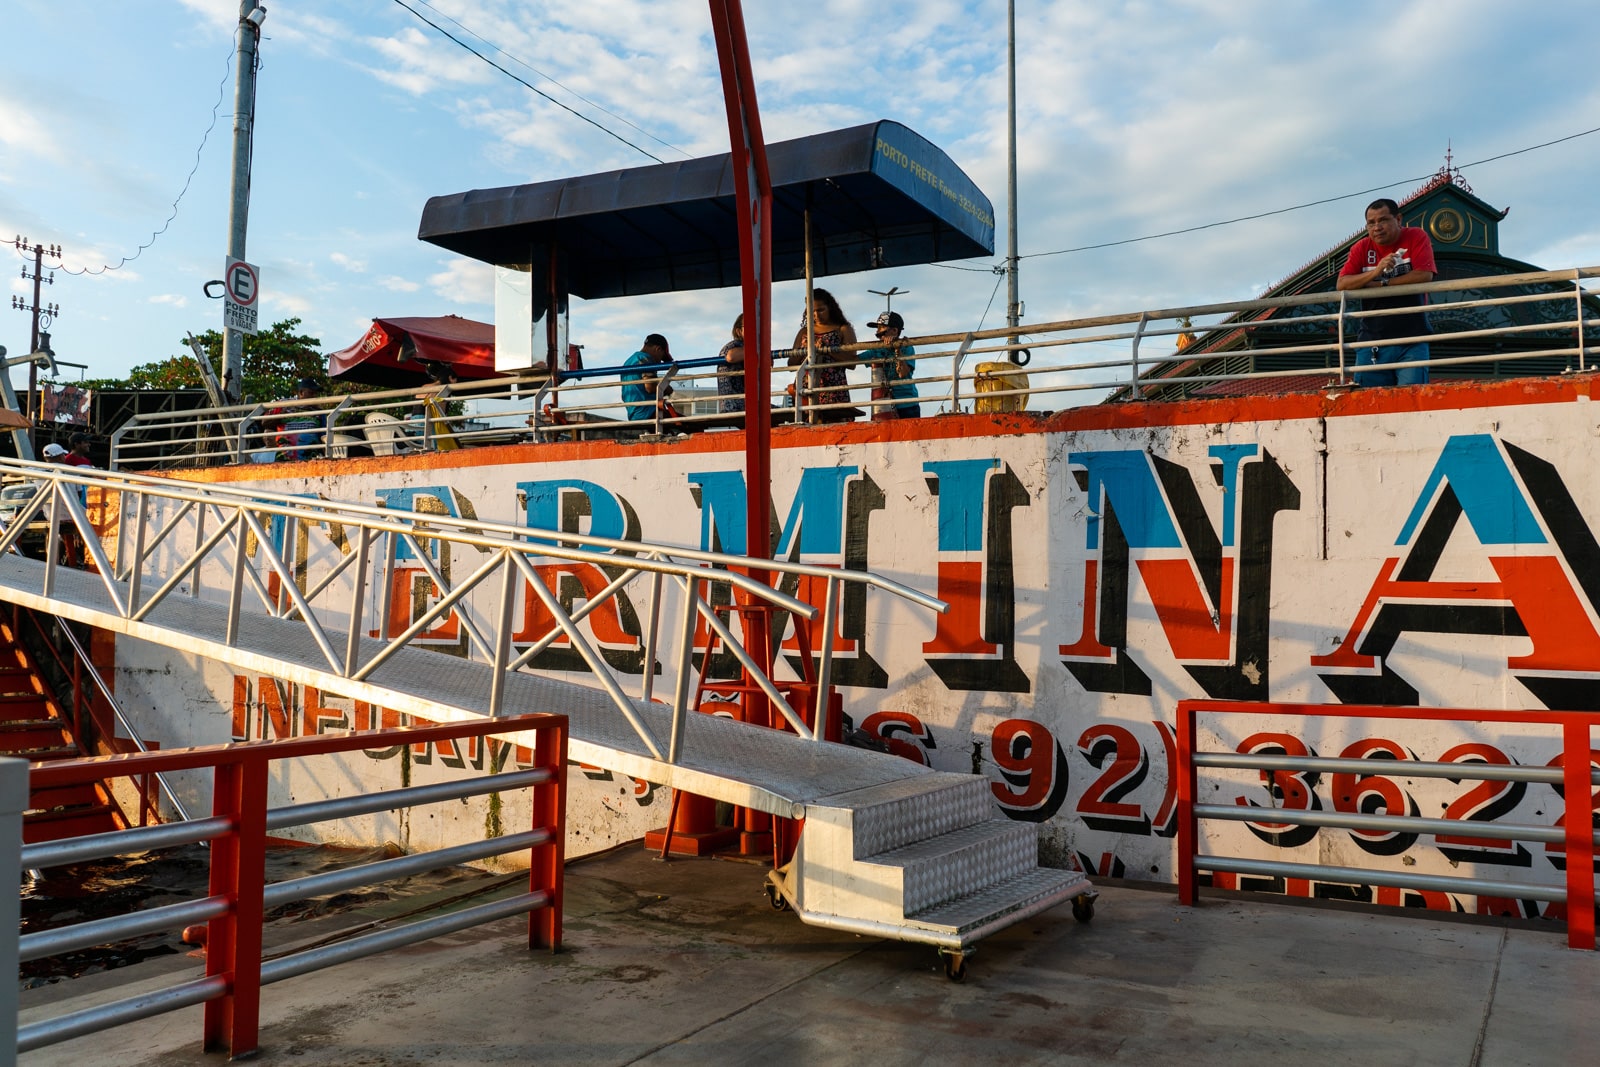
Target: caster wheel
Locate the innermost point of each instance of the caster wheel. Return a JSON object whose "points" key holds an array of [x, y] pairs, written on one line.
{"points": [[776, 898], [955, 966], [1083, 908]]}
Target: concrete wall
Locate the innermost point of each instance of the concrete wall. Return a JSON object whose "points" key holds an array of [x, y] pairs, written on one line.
{"points": [[1427, 547]]}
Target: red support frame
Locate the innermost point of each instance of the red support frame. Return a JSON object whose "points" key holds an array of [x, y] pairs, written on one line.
{"points": [[238, 857], [1577, 728]]}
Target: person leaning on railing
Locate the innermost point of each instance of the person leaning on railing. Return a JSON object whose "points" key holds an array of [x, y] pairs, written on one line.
{"points": [[640, 386], [892, 369], [830, 330], [730, 373], [299, 429], [1390, 254]]}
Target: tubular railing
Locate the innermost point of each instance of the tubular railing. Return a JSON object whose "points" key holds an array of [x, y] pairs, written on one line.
{"points": [[215, 543], [1083, 359], [1367, 783], [237, 899]]}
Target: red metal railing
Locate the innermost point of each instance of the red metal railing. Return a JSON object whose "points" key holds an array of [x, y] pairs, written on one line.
{"points": [[1576, 777], [237, 831]]}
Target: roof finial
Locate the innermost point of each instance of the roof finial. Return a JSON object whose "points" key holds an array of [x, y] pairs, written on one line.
{"points": [[1449, 174]]}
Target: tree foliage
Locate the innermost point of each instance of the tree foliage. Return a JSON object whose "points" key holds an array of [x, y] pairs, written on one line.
{"points": [[274, 360]]}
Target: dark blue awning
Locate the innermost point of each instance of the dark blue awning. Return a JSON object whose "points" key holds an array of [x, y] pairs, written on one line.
{"points": [[880, 196]]}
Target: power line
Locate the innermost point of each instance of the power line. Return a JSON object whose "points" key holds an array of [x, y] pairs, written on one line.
{"points": [[525, 84], [125, 260], [524, 63], [1281, 210]]}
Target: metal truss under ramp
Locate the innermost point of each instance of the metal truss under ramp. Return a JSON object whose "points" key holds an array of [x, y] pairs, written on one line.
{"points": [[890, 848]]}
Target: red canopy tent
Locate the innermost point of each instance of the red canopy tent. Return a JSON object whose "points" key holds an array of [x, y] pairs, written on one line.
{"points": [[399, 352]]}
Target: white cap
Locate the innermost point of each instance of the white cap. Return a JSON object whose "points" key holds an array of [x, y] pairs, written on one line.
{"points": [[52, 450]]}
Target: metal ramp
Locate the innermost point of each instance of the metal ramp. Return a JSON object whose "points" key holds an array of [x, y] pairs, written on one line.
{"points": [[891, 848]]}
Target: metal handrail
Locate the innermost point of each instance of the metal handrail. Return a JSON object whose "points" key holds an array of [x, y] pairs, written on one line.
{"points": [[592, 394], [1576, 833], [234, 910]]}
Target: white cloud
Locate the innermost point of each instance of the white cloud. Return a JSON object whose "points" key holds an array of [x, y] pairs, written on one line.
{"points": [[170, 298], [285, 305], [419, 65], [218, 14], [396, 284], [354, 266], [464, 281]]}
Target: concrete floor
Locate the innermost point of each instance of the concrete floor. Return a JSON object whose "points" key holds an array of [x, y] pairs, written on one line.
{"points": [[684, 962]]}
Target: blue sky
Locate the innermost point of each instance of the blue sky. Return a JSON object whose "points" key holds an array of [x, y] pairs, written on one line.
{"points": [[1134, 119]]}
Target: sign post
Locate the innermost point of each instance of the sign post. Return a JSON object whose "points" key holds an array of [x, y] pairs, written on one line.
{"points": [[241, 287]]}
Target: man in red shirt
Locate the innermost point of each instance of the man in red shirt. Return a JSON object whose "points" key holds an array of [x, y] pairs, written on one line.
{"points": [[1390, 254], [78, 456]]}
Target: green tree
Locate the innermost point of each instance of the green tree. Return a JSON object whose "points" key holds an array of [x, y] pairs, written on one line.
{"points": [[274, 360]]}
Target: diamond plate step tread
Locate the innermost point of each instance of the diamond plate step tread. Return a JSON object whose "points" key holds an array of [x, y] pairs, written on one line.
{"points": [[960, 862], [896, 814], [1014, 896]]}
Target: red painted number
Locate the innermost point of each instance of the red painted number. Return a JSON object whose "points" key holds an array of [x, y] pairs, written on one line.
{"points": [[1033, 769], [1289, 790], [1372, 794], [1119, 755], [1484, 802]]}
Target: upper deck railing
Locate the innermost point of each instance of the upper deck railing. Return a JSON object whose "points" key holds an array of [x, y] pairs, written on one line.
{"points": [[1535, 324]]}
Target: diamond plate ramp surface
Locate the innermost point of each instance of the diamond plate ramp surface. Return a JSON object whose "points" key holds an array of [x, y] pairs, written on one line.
{"points": [[768, 770]]}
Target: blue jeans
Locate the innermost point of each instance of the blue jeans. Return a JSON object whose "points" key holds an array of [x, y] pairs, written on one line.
{"points": [[1381, 355]]}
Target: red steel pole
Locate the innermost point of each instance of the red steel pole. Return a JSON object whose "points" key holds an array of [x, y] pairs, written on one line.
{"points": [[1188, 832], [233, 941], [1575, 778], [753, 197], [547, 864]]}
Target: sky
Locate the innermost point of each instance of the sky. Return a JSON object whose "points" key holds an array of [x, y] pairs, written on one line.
{"points": [[1133, 119]]}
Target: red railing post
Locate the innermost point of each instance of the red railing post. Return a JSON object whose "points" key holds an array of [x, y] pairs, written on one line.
{"points": [[233, 941], [1579, 825], [547, 862], [1188, 831]]}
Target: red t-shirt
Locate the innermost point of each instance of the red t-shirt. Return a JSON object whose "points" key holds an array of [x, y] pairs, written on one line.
{"points": [[1414, 243], [76, 461], [1364, 255]]}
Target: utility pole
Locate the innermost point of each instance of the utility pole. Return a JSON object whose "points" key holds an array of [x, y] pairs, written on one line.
{"points": [[43, 314], [1013, 305], [251, 16]]}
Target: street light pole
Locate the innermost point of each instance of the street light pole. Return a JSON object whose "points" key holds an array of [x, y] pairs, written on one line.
{"points": [[251, 16], [1013, 306]]}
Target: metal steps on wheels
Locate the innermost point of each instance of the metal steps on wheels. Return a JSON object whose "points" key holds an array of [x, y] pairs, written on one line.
{"points": [[924, 858]]}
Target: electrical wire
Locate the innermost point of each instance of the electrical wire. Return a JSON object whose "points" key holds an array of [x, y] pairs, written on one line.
{"points": [[993, 293], [125, 260], [524, 63], [527, 85], [1277, 211]]}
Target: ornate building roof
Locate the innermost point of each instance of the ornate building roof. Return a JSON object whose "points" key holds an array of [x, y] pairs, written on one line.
{"points": [[1466, 241]]}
